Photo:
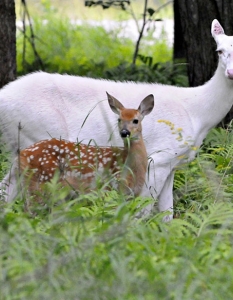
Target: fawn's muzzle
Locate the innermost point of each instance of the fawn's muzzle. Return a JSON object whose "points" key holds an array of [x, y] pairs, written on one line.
{"points": [[125, 133]]}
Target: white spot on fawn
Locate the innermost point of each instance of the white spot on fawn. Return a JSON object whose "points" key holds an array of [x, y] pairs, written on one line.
{"points": [[106, 160]]}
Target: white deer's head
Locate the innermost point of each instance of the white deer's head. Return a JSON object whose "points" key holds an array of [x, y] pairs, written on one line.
{"points": [[224, 48]]}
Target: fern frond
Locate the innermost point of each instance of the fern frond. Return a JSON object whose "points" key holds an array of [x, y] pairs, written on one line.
{"points": [[218, 217]]}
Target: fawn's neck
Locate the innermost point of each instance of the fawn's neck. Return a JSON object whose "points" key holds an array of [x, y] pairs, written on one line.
{"points": [[136, 152], [135, 166]]}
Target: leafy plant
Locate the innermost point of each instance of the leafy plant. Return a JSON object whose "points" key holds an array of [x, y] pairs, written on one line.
{"points": [[166, 73]]}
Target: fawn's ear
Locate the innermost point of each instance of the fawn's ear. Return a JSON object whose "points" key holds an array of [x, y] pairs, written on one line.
{"points": [[146, 105], [216, 29], [115, 105]]}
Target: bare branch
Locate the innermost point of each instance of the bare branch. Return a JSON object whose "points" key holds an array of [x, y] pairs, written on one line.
{"points": [[140, 33], [32, 37]]}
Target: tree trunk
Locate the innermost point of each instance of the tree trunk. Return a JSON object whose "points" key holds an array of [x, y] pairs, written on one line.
{"points": [[8, 42], [179, 48], [196, 18]]}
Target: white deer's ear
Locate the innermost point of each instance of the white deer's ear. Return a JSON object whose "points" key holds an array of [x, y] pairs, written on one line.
{"points": [[114, 104], [216, 29]]}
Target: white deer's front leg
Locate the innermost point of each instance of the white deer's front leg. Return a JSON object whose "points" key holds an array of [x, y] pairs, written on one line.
{"points": [[166, 197], [9, 185], [159, 186]]}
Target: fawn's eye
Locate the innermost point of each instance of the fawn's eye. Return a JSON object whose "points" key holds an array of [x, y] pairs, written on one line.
{"points": [[119, 120], [135, 121]]}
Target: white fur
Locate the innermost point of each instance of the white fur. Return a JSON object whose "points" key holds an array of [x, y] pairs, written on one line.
{"points": [[53, 105]]}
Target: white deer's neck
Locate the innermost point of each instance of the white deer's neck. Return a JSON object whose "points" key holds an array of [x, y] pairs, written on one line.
{"points": [[220, 93], [211, 102], [219, 83]]}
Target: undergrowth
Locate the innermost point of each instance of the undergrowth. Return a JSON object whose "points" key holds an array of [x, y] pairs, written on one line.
{"points": [[102, 251]]}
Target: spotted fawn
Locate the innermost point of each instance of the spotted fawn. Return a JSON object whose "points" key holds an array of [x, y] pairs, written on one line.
{"points": [[80, 165]]}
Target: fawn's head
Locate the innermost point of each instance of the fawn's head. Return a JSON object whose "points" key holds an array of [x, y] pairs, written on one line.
{"points": [[129, 121]]}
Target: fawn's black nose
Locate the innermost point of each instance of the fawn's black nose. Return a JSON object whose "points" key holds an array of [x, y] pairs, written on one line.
{"points": [[125, 133]]}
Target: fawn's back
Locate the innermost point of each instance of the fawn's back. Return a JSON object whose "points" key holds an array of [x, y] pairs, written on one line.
{"points": [[78, 165]]}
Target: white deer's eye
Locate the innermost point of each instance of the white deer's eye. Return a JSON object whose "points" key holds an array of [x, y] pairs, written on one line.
{"points": [[220, 52]]}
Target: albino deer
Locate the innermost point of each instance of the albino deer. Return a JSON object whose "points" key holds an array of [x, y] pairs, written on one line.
{"points": [[71, 106], [80, 164]]}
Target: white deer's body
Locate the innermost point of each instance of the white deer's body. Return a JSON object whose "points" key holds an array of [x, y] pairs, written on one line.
{"points": [[70, 107]]}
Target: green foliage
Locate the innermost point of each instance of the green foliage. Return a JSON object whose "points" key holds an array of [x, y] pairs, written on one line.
{"points": [[4, 161], [165, 73], [209, 177], [101, 251], [88, 50], [82, 50]]}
